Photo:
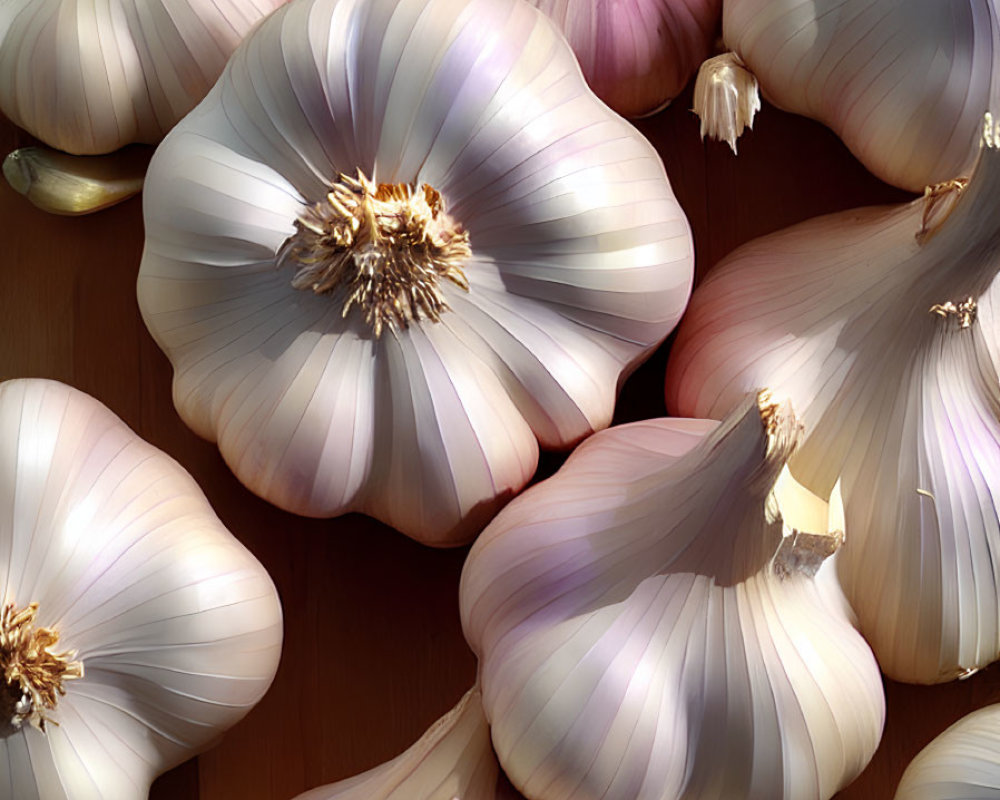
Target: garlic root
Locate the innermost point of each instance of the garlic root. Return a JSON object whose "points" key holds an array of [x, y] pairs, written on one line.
{"points": [[726, 98]]}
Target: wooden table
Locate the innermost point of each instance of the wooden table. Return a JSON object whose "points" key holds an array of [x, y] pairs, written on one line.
{"points": [[373, 647]]}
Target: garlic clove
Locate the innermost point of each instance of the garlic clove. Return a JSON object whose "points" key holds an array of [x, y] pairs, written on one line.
{"points": [[960, 763], [176, 627], [453, 759], [726, 98], [902, 82], [429, 412], [63, 184], [869, 321], [649, 625]]}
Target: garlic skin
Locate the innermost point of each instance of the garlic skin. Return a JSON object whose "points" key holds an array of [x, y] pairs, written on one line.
{"points": [[962, 763], [648, 626], [453, 759], [176, 626], [879, 325], [581, 259], [637, 56], [89, 78], [903, 83]]}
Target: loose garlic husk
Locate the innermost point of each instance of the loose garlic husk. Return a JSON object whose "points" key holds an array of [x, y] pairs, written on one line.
{"points": [[453, 759], [963, 763], [903, 82], [134, 627], [399, 245], [880, 325], [637, 56], [657, 621]]}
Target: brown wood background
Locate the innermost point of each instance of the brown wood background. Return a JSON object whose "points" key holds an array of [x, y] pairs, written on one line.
{"points": [[373, 648]]}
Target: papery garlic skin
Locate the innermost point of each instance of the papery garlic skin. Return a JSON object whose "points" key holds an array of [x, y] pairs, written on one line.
{"points": [[581, 259], [903, 83], [637, 56], [962, 763], [900, 402], [90, 78], [177, 626], [453, 759], [637, 641]]}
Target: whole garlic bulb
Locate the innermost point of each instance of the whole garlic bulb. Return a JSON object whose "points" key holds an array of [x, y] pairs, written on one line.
{"points": [[91, 77], [904, 83], [880, 325], [637, 56], [135, 628], [655, 622], [963, 763], [398, 245]]}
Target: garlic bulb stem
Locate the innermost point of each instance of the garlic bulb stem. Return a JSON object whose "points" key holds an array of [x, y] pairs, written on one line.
{"points": [[34, 675], [388, 244]]}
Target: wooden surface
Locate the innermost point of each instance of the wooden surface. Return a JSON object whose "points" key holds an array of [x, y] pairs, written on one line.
{"points": [[373, 648]]}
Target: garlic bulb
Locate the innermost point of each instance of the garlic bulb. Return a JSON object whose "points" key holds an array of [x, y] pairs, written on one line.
{"points": [[654, 622], [134, 627], [904, 83], [92, 77], [454, 759], [637, 56], [961, 764], [398, 244], [877, 324]]}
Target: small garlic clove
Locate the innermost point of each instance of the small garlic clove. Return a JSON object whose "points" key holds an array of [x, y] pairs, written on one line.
{"points": [[726, 98], [72, 185], [649, 624], [453, 759]]}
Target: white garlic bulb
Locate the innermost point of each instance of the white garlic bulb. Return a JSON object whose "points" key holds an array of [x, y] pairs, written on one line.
{"points": [[92, 77], [135, 628], [655, 622], [398, 245], [963, 763], [878, 325], [904, 83]]}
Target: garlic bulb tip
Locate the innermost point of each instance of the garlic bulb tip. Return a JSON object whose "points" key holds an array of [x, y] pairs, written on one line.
{"points": [[726, 98]]}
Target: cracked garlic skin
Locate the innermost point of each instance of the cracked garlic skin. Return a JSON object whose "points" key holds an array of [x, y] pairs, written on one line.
{"points": [[657, 622], [399, 247], [880, 325], [902, 82], [135, 628]]}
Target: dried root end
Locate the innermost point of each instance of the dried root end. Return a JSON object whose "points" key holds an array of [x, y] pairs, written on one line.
{"points": [[726, 98], [939, 201], [964, 312], [34, 675]]}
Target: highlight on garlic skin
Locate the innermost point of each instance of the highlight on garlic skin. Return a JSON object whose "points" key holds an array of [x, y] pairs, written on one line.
{"points": [[961, 763], [879, 324], [453, 759], [637, 56], [902, 82], [134, 628], [660, 620], [398, 246]]}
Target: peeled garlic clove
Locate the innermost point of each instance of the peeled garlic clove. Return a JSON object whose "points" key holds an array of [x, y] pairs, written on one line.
{"points": [[454, 758], [63, 184], [902, 82], [651, 623], [637, 57], [960, 764], [134, 628], [90, 78], [879, 325], [341, 372]]}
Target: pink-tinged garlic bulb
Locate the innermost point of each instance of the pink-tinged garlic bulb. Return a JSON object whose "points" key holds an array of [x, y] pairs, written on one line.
{"points": [[660, 620], [880, 325], [637, 55], [453, 759], [399, 245], [904, 83], [963, 763], [91, 77], [134, 628]]}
